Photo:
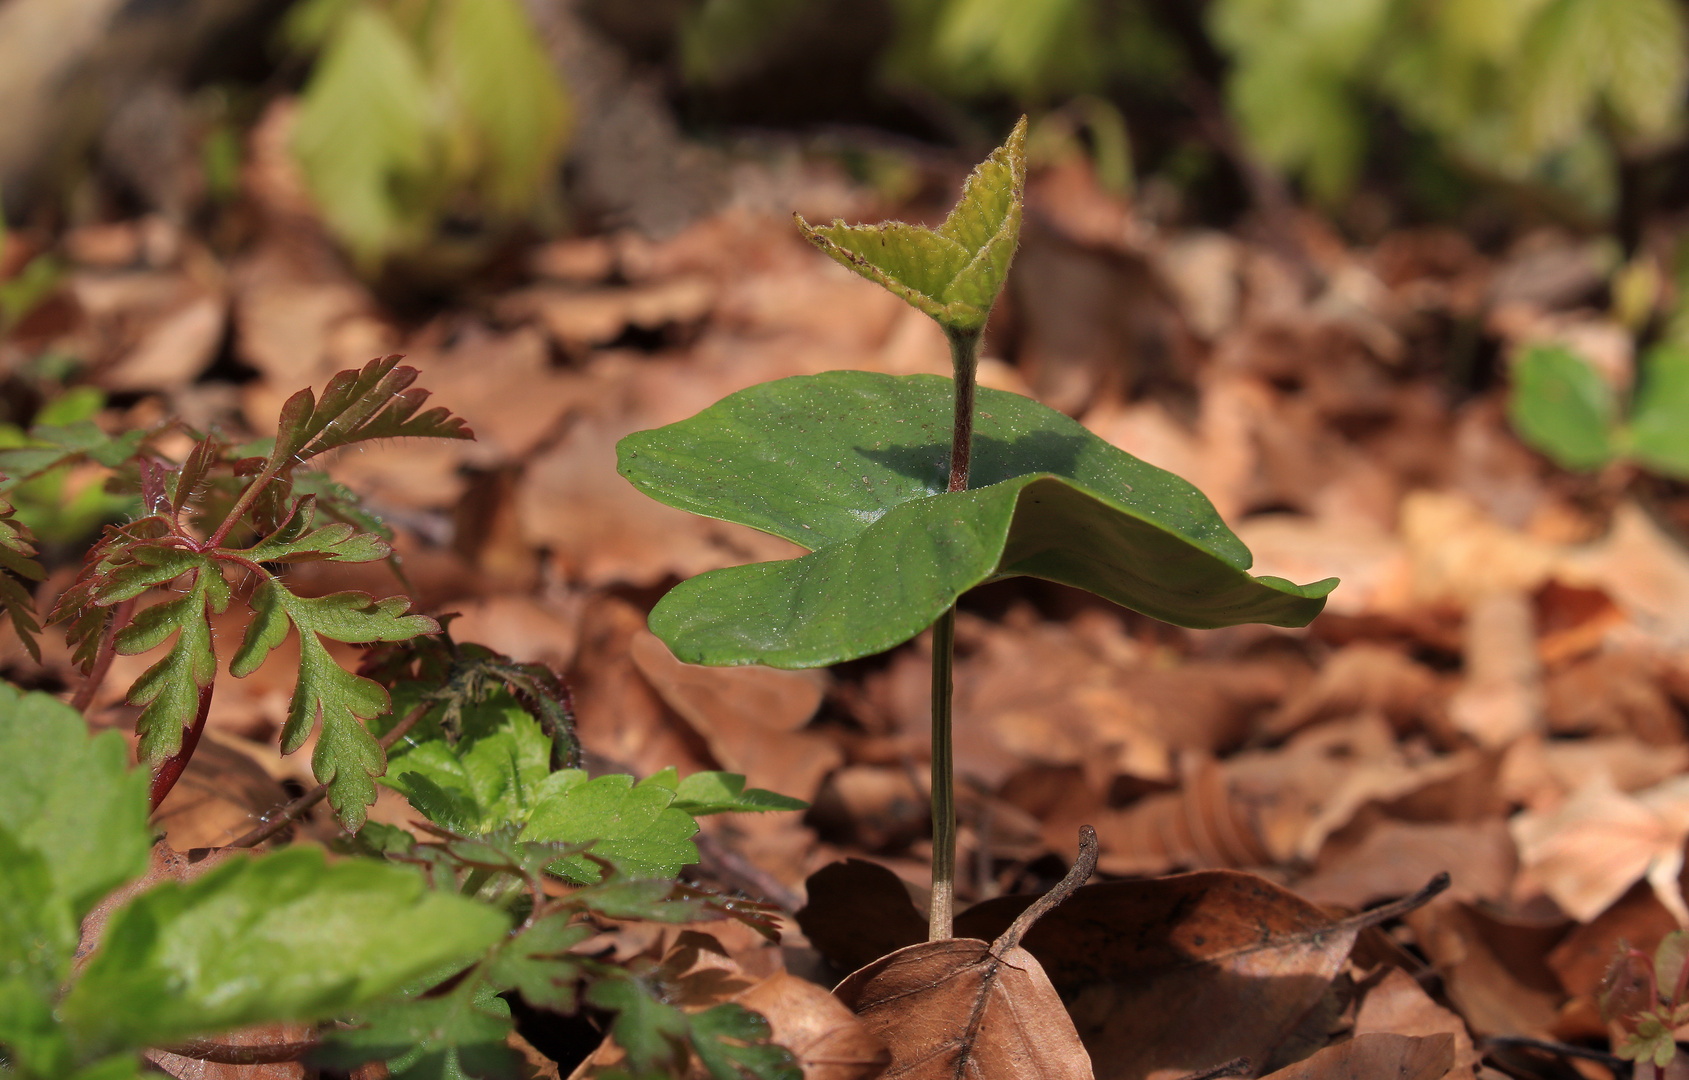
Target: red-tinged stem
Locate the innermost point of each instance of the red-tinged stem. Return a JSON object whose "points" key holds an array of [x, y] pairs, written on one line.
{"points": [[242, 505], [170, 770], [964, 357], [90, 687]]}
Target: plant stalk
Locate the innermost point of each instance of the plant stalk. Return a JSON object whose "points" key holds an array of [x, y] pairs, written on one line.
{"points": [[964, 358]]}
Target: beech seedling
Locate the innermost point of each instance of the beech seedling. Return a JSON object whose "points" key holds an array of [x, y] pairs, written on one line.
{"points": [[910, 490]]}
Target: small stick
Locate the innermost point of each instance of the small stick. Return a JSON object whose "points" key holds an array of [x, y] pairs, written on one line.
{"points": [[1083, 867], [292, 811], [1617, 1065], [1398, 908]]}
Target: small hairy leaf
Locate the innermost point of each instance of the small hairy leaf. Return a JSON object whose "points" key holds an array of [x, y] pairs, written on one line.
{"points": [[17, 557], [489, 779], [283, 937], [171, 690], [952, 274], [291, 543], [347, 757], [1561, 406], [721, 793], [376, 402], [632, 825]]}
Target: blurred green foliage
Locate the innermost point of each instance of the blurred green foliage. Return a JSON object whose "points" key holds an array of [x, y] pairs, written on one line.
{"points": [[66, 503], [1540, 92], [421, 114], [1563, 407], [1525, 90]]}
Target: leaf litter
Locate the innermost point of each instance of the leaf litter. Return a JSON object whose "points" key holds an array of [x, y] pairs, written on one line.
{"points": [[1498, 690]]}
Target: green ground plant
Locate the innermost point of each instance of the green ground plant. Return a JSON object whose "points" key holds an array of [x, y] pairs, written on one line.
{"points": [[1562, 406], [910, 490], [415, 948], [424, 113]]}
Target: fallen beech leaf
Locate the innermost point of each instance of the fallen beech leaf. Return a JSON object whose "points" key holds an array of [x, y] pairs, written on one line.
{"points": [[829, 1042], [1146, 967], [965, 1007], [1399, 1006], [858, 911], [1478, 973], [1502, 696], [1638, 920], [1376, 1057], [1395, 856], [1587, 852]]}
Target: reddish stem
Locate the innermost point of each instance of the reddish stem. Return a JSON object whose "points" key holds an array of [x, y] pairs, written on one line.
{"points": [[170, 770], [964, 359], [102, 659]]}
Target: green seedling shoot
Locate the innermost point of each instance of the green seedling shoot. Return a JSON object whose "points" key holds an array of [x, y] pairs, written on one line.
{"points": [[1560, 405], [910, 490]]}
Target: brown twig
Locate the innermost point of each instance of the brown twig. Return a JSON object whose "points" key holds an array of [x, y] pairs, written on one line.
{"points": [[1083, 867], [1396, 909], [102, 659], [236, 1054], [291, 812]]}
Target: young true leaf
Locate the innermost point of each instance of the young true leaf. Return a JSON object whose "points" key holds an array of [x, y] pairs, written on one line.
{"points": [[1561, 406], [731, 1041], [347, 757], [632, 825], [291, 543], [480, 784], [373, 403], [17, 556], [175, 688], [853, 466], [952, 274], [721, 793], [538, 963], [1658, 433], [53, 446], [457, 1034], [249, 942]]}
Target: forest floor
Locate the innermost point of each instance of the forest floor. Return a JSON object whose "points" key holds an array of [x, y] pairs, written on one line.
{"points": [[1498, 689]]}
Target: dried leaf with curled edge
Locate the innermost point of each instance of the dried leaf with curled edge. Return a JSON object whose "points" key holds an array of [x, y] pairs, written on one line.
{"points": [[1377, 1057], [1145, 967], [965, 1007]]}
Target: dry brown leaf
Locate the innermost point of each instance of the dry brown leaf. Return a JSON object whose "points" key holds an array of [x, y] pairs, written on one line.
{"points": [[1376, 1057], [829, 1042], [857, 912], [1615, 692], [1363, 677], [1146, 967], [263, 1042], [1396, 857], [1541, 774], [1479, 973], [966, 1007], [174, 350], [961, 1008], [1398, 1005], [1585, 853], [1637, 919], [749, 716], [582, 318], [1501, 697]]}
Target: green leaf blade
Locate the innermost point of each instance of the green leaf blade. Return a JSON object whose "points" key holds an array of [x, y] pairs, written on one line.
{"points": [[1560, 406], [952, 274], [632, 825], [283, 937], [1658, 434]]}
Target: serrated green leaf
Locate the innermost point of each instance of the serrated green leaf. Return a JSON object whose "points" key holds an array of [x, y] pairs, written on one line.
{"points": [[952, 274], [283, 937], [17, 556], [454, 1036], [721, 793], [172, 688], [347, 757], [291, 543], [1658, 433], [488, 780], [538, 964], [853, 466], [632, 825], [731, 1041], [341, 503], [1561, 406], [374, 402], [1669, 957]]}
